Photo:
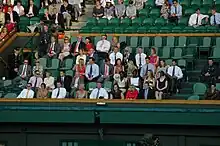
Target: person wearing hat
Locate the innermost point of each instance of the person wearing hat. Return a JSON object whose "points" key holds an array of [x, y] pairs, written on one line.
{"points": [[36, 80], [99, 92], [132, 93], [104, 2], [196, 18]]}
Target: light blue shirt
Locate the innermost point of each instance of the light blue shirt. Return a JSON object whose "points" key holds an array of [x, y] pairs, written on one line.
{"points": [[144, 69], [95, 70], [217, 19], [179, 10]]}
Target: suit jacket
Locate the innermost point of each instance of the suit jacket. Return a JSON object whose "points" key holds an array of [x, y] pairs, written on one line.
{"points": [[95, 55], [82, 45], [15, 16], [68, 9], [67, 82], [28, 73], [57, 48], [60, 19], [102, 69], [44, 18], [35, 10]]}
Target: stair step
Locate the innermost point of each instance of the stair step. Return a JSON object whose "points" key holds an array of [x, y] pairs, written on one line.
{"points": [[180, 96]]}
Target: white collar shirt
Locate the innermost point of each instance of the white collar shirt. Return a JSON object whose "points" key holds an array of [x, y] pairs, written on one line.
{"points": [[26, 94], [103, 46], [193, 19], [62, 93], [102, 93], [112, 57]]}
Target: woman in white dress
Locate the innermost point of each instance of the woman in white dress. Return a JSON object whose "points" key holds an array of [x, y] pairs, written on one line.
{"points": [[65, 49]]}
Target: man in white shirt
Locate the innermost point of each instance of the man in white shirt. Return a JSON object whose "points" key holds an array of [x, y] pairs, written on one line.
{"points": [[99, 93], [36, 80], [59, 92], [115, 55], [175, 73], [196, 18], [140, 58], [19, 9], [103, 47], [27, 93]]}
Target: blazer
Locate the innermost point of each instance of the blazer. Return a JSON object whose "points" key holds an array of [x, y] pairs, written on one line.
{"points": [[68, 9], [67, 82], [28, 73], [60, 19], [15, 16], [57, 48], [102, 69], [95, 55], [82, 45], [35, 10]]}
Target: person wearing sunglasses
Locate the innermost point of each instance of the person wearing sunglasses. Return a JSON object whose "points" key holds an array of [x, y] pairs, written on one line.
{"points": [[27, 93]]}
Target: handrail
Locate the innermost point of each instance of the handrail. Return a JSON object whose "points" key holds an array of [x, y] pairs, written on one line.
{"points": [[6, 37]]}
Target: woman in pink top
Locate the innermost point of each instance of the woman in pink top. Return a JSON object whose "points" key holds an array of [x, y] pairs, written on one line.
{"points": [[65, 49], [154, 59]]}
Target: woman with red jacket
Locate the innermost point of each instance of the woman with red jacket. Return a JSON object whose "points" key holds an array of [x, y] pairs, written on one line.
{"points": [[132, 93]]}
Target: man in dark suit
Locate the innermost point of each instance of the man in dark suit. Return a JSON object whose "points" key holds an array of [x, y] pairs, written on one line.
{"points": [[65, 81], [106, 71], [24, 73], [53, 49], [14, 60], [11, 16], [67, 10], [76, 46], [44, 41], [92, 53], [31, 10], [57, 18]]}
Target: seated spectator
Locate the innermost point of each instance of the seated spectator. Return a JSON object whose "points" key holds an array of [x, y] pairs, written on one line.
{"points": [[76, 46], [53, 6], [104, 2], [10, 26], [116, 93], [175, 74], [115, 55], [27, 93], [196, 18], [76, 8], [99, 92], [31, 10], [132, 93], [103, 47], [135, 80], [92, 53], [11, 16], [215, 18], [92, 71], [38, 68], [65, 81], [130, 68], [53, 48], [165, 9], [47, 17], [19, 9], [115, 43], [59, 92], [176, 12], [140, 58], [65, 49], [42, 91], [139, 4], [147, 67], [2, 18], [154, 59], [81, 56], [89, 44], [81, 93], [3, 33], [49, 81], [57, 18], [131, 11], [36, 80], [149, 85], [212, 93], [106, 71], [161, 86], [80, 68], [120, 9], [121, 80], [98, 10], [161, 68], [66, 10], [160, 3], [118, 66], [208, 74], [24, 72], [76, 82], [128, 56], [109, 10], [8, 3]]}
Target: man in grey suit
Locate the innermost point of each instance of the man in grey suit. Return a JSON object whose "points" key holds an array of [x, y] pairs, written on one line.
{"points": [[106, 71], [53, 49], [24, 73]]}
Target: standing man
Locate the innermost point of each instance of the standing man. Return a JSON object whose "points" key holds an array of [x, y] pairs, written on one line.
{"points": [[140, 58], [44, 41], [103, 47]]}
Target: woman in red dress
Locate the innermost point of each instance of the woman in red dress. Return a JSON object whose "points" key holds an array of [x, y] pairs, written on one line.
{"points": [[89, 44], [154, 59], [80, 68]]}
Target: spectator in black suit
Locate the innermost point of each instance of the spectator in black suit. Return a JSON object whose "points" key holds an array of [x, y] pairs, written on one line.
{"points": [[14, 60], [53, 49], [47, 17], [11, 16], [76, 46], [66, 9], [92, 53], [208, 74], [31, 10], [58, 19], [44, 41], [65, 81]]}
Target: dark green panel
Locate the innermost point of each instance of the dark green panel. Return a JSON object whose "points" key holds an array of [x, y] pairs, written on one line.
{"points": [[160, 118], [47, 116]]}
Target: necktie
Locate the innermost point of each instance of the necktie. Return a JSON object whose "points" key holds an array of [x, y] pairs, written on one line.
{"points": [[214, 20], [27, 93], [76, 48], [51, 48], [58, 92], [140, 61], [97, 95], [106, 70], [90, 72], [146, 69], [175, 10], [197, 19], [35, 84], [115, 58], [173, 73], [24, 70]]}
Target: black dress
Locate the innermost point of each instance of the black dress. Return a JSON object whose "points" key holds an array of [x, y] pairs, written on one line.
{"points": [[116, 95], [162, 84]]}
